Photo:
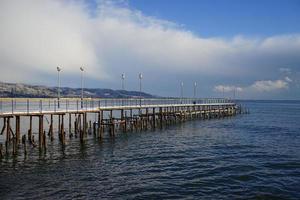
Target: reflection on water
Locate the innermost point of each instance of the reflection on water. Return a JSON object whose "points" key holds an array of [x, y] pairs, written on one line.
{"points": [[252, 156]]}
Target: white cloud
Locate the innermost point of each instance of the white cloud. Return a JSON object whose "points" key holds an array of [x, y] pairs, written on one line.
{"points": [[269, 85], [36, 36], [288, 79], [257, 86], [227, 88]]}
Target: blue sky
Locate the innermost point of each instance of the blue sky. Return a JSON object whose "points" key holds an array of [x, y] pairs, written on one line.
{"points": [[227, 18], [251, 47]]}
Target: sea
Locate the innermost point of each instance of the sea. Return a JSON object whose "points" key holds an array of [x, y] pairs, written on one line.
{"points": [[248, 156]]}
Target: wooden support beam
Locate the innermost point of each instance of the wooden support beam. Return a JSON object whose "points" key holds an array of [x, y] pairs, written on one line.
{"points": [[8, 135], [44, 140], [125, 122], [161, 117], [153, 118], [131, 120], [101, 124], [90, 127], [79, 124], [62, 134], [80, 127], [112, 126], [41, 131], [70, 125], [51, 128], [122, 120], [84, 125], [18, 129], [30, 130], [59, 127], [147, 119]]}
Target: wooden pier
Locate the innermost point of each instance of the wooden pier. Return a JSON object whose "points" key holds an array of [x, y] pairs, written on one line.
{"points": [[70, 118]]}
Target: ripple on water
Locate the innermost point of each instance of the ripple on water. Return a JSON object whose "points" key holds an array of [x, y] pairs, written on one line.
{"points": [[252, 156]]}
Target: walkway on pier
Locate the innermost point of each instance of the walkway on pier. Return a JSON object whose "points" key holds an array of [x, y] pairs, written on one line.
{"points": [[26, 107]]}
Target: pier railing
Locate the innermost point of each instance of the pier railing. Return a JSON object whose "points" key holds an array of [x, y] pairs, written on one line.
{"points": [[32, 105]]}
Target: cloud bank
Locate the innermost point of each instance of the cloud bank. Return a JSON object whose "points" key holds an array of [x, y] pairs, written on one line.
{"points": [[227, 88], [266, 86], [37, 36], [260, 86]]}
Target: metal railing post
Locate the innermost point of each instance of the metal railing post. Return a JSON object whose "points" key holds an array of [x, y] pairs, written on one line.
{"points": [[27, 106], [77, 105], [12, 106], [41, 107], [67, 104]]}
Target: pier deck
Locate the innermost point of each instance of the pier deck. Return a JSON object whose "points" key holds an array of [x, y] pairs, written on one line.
{"points": [[104, 108]]}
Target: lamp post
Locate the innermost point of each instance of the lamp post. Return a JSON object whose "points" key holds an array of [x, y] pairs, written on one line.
{"points": [[82, 71], [140, 77], [234, 93], [195, 89], [123, 85], [223, 92], [58, 85], [181, 91], [123, 81]]}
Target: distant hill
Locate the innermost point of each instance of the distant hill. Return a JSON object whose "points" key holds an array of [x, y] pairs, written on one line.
{"points": [[37, 91]]}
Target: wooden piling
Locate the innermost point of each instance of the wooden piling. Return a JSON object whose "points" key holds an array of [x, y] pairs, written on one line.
{"points": [[131, 120], [62, 133], [90, 127], [84, 125], [125, 122], [70, 125], [51, 128], [147, 119], [75, 125], [8, 136], [30, 129], [161, 117], [101, 124], [44, 140], [18, 129], [153, 118], [41, 131], [59, 127], [122, 120]]}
